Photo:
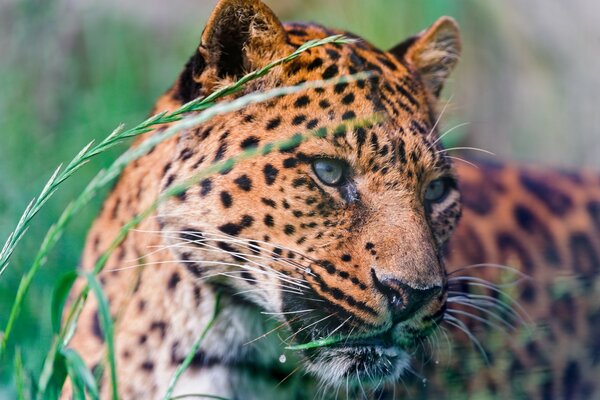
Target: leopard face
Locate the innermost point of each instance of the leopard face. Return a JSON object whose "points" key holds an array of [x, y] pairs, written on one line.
{"points": [[340, 235]]}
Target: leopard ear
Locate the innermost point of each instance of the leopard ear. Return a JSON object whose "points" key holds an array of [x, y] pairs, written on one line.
{"points": [[433, 53], [242, 35]]}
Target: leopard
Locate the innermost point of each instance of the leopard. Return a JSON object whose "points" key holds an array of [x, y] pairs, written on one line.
{"points": [[368, 232]]}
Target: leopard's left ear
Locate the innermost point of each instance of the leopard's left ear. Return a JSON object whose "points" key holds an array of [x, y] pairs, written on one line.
{"points": [[433, 53]]}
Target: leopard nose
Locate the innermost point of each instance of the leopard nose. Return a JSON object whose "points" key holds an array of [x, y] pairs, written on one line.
{"points": [[404, 300]]}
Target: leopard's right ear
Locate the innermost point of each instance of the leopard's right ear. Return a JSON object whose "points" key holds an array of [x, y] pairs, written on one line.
{"points": [[432, 53], [240, 36]]}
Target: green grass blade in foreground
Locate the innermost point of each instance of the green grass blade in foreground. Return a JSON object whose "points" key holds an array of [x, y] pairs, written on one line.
{"points": [[19, 376], [112, 172], [198, 396], [120, 134], [78, 370], [195, 347], [107, 329]]}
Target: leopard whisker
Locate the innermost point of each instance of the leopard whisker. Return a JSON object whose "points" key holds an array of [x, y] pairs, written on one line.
{"points": [[490, 285], [241, 278], [463, 160], [462, 327], [479, 282], [478, 318], [262, 291], [484, 300], [278, 327], [491, 265], [290, 338], [339, 327], [465, 148], [224, 235], [280, 275], [203, 242], [278, 259], [448, 132], [439, 118], [287, 312], [249, 243]]}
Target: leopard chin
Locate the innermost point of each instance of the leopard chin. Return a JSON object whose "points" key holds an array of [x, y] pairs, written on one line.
{"points": [[358, 365]]}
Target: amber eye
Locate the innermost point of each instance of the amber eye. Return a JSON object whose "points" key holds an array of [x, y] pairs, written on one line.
{"points": [[330, 171], [438, 190]]}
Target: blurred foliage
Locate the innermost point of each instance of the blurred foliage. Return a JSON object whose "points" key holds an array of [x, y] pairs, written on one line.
{"points": [[71, 71]]}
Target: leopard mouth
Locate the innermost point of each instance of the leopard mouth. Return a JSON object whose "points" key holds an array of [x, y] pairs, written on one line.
{"points": [[360, 361], [381, 340]]}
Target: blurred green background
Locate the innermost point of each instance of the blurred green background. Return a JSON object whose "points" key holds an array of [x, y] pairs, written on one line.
{"points": [[70, 71]]}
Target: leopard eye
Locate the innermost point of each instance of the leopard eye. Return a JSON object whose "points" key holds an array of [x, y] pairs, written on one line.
{"points": [[330, 171], [438, 189]]}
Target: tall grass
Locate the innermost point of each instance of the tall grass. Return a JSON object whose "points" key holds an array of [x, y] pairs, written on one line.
{"points": [[61, 361]]}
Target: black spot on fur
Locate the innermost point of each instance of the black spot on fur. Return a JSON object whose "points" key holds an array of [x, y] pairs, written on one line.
{"points": [[324, 104], [585, 259], [235, 229], [173, 281], [312, 123], [220, 152], [289, 229], [333, 54], [205, 187], [270, 173], [244, 183], [316, 63], [339, 88], [268, 220], [348, 115], [226, 199], [248, 277], [274, 123], [556, 201], [348, 99], [186, 154], [290, 162], [330, 72], [298, 119], [147, 366], [302, 101], [509, 248], [249, 142], [268, 202], [593, 208], [533, 225]]}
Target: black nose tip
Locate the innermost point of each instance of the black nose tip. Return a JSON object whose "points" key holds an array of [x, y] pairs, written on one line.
{"points": [[405, 300]]}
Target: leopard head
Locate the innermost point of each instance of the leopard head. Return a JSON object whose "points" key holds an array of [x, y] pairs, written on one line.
{"points": [[341, 235]]}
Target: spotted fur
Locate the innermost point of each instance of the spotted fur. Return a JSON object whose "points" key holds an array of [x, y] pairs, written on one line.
{"points": [[296, 260]]}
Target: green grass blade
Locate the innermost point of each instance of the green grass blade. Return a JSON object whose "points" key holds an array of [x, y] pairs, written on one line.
{"points": [[106, 325], [61, 292], [53, 375], [80, 372], [19, 375], [198, 396], [195, 347]]}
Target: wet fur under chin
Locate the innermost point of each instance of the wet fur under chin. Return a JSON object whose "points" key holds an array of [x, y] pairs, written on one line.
{"points": [[359, 366]]}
